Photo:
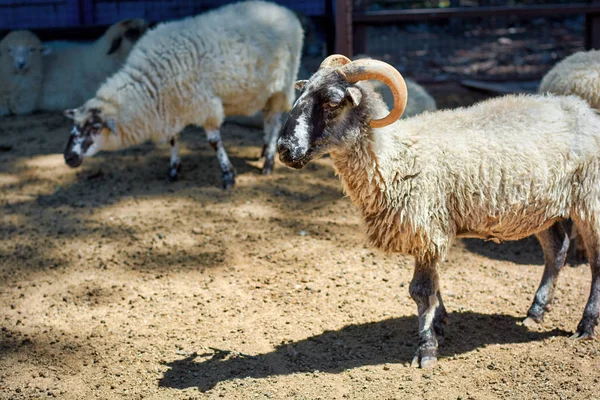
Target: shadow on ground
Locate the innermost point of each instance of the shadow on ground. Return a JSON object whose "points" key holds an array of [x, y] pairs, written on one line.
{"points": [[523, 252], [389, 341]]}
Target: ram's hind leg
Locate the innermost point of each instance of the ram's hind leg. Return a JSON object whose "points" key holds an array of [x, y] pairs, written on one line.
{"points": [[214, 138], [272, 125], [591, 237], [555, 245], [424, 290], [175, 161]]}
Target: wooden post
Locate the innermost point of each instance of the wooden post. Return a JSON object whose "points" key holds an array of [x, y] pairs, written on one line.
{"points": [[359, 31], [343, 27], [592, 29]]}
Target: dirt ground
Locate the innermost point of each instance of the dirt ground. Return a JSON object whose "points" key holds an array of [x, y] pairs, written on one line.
{"points": [[115, 284]]}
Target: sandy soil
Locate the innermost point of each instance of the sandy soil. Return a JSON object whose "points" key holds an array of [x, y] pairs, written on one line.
{"points": [[115, 284]]}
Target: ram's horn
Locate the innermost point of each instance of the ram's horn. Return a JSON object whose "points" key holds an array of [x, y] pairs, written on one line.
{"points": [[366, 69], [335, 60]]}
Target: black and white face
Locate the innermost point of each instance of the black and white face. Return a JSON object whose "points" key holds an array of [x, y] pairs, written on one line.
{"points": [[326, 116], [87, 134]]}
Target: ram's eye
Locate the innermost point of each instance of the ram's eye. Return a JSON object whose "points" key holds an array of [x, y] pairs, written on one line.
{"points": [[332, 104]]}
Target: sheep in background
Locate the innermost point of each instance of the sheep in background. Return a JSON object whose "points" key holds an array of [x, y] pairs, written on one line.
{"points": [[419, 100], [578, 74], [21, 69], [74, 73], [234, 60], [503, 169]]}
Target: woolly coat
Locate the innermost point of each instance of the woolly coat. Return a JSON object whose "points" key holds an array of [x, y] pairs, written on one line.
{"points": [[73, 74], [578, 74], [500, 170], [235, 60], [20, 92]]}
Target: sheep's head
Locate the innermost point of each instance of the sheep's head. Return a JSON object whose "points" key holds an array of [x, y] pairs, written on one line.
{"points": [[21, 51], [90, 133], [331, 112], [122, 36]]}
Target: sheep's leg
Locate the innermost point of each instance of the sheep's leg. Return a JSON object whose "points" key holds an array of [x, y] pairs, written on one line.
{"points": [[214, 138], [591, 237], [555, 245], [425, 292], [440, 319], [272, 128], [175, 161], [578, 245]]}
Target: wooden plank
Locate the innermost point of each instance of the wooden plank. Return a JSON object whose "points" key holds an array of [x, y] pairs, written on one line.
{"points": [[343, 27], [501, 88], [592, 28], [425, 14]]}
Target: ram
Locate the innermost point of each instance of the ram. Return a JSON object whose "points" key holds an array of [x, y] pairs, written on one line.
{"points": [[21, 71], [73, 72], [235, 60], [500, 170]]}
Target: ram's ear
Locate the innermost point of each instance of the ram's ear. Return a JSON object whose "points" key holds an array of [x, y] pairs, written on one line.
{"points": [[354, 94], [114, 46], [70, 113], [111, 124], [45, 50], [300, 84]]}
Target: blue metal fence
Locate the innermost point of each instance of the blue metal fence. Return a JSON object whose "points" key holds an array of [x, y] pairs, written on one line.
{"points": [[44, 14]]}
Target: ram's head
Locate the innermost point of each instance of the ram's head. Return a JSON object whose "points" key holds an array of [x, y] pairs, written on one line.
{"points": [[331, 110]]}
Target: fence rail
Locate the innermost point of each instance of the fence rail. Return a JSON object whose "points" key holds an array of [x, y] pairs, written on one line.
{"points": [[351, 37]]}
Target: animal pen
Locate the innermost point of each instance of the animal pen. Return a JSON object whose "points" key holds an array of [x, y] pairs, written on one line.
{"points": [[429, 40], [116, 283]]}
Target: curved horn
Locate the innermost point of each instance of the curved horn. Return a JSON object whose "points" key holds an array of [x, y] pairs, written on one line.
{"points": [[335, 60], [366, 69]]}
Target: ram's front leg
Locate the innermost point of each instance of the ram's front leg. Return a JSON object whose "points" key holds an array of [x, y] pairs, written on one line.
{"points": [[214, 138], [175, 161], [424, 290]]}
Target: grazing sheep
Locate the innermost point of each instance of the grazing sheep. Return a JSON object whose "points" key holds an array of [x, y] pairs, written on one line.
{"points": [[578, 74], [500, 170], [74, 73], [21, 69], [235, 60], [419, 100]]}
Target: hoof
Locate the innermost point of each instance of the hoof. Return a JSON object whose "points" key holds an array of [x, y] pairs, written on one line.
{"points": [[531, 322], [582, 336], [585, 330], [425, 357], [228, 180], [174, 172], [173, 176], [267, 168]]}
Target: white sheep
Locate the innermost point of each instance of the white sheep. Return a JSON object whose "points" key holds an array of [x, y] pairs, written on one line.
{"points": [[235, 60], [578, 74], [500, 170], [74, 72], [21, 69]]}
